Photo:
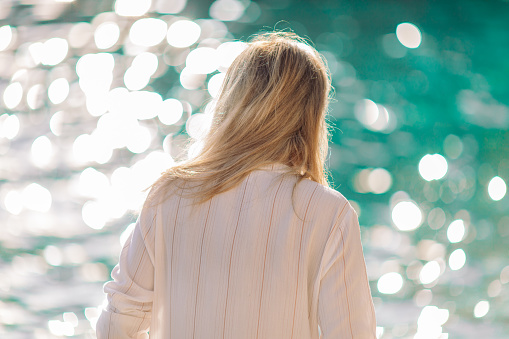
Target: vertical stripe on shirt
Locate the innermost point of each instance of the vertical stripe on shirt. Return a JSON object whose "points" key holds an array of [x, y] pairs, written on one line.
{"points": [[171, 260], [298, 262], [344, 265], [199, 266], [344, 280], [265, 257], [139, 263], [231, 253]]}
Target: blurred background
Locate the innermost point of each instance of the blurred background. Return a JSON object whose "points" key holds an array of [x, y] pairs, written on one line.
{"points": [[98, 97]]}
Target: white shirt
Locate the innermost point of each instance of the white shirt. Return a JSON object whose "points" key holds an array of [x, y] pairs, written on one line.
{"points": [[244, 265]]}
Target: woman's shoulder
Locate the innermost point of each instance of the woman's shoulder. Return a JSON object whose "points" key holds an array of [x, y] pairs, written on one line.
{"points": [[163, 191], [323, 191], [327, 200]]}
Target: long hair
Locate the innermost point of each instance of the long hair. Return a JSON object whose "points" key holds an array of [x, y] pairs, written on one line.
{"points": [[271, 109]]}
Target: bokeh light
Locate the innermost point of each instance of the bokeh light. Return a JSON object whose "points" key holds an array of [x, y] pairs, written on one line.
{"points": [[453, 146], [60, 328], [409, 35], [106, 35], [9, 126], [390, 283], [146, 63], [148, 32], [198, 125], [94, 215], [140, 140], [379, 180], [407, 216], [375, 117], [58, 90], [226, 10], [429, 272], [433, 167], [202, 60], [5, 37], [429, 324], [457, 259], [54, 51], [13, 202], [497, 188], [171, 111], [37, 198], [42, 151], [132, 8], [456, 231], [215, 83], [35, 96], [183, 33], [481, 308], [53, 255], [13, 94], [93, 183], [228, 51]]}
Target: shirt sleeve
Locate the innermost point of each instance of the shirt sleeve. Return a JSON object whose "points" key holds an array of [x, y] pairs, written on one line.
{"points": [[345, 305], [130, 293]]}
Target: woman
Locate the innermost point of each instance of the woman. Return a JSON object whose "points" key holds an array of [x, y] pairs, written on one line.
{"points": [[246, 240]]}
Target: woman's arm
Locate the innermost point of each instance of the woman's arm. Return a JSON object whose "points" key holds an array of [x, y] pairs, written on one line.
{"points": [[130, 293], [345, 306]]}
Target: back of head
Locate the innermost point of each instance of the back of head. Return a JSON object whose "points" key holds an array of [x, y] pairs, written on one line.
{"points": [[271, 109]]}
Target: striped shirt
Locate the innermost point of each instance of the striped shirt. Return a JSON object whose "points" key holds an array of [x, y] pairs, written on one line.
{"points": [[249, 263]]}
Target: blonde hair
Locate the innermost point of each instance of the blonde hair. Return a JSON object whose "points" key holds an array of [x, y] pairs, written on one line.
{"points": [[271, 109]]}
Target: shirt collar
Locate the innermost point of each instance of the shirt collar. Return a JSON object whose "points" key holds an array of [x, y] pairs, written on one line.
{"points": [[278, 167]]}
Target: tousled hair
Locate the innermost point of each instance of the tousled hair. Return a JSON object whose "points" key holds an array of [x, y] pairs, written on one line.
{"points": [[271, 109]]}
